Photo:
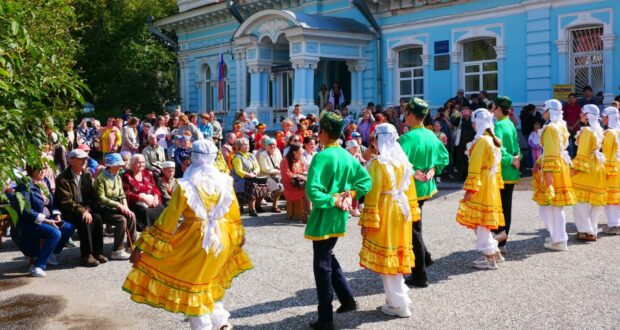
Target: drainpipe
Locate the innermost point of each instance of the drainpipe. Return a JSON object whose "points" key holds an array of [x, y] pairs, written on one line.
{"points": [[231, 5], [365, 11]]}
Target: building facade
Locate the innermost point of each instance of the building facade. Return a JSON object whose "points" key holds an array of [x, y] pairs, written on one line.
{"points": [[278, 53]]}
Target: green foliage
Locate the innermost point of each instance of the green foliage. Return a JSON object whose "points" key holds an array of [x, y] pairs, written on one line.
{"points": [[38, 85], [121, 62]]}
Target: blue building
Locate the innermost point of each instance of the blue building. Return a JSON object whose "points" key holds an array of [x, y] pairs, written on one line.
{"points": [[278, 53]]}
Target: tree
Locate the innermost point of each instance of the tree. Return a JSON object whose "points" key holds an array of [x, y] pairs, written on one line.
{"points": [[123, 65]]}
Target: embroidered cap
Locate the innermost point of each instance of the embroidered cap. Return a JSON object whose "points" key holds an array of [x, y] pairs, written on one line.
{"points": [[418, 107], [167, 164], [503, 102], [331, 122]]}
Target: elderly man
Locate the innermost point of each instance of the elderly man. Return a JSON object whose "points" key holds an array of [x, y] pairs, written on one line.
{"points": [[77, 199], [269, 161], [154, 155]]}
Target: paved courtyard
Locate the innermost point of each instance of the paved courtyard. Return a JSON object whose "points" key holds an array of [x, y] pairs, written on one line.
{"points": [[534, 289]]}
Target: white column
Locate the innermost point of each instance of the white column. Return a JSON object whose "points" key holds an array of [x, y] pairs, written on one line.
{"points": [[392, 79], [303, 84], [608, 69], [562, 61], [184, 68], [259, 79], [454, 67], [426, 67], [501, 54]]}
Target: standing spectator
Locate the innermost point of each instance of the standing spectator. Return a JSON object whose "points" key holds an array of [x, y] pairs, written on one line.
{"points": [[253, 120], [111, 137], [312, 124], [70, 135], [176, 143], [476, 102], [40, 232], [217, 128], [143, 196], [600, 100], [364, 126], [439, 134], [205, 126], [130, 136], [309, 146], [587, 96], [287, 127], [484, 97], [161, 131], [269, 161], [186, 126], [246, 129], [466, 134], [193, 118], [113, 205], [143, 136], [572, 113], [529, 117], [249, 189], [294, 180], [77, 201], [166, 182], [258, 137], [228, 149], [533, 141], [86, 132], [336, 97], [460, 98], [154, 155], [297, 114], [182, 153], [323, 97]]}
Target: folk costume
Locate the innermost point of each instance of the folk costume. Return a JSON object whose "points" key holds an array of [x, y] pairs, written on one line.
{"points": [[425, 152], [332, 171], [187, 269], [611, 150], [590, 182], [505, 130], [483, 212], [390, 208], [555, 162]]}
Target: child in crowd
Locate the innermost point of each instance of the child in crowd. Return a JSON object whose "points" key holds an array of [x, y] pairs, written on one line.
{"points": [[253, 121], [280, 140], [260, 132], [354, 149], [534, 142]]}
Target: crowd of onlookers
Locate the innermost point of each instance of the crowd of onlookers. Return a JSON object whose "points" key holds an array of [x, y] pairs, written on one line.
{"points": [[117, 179]]}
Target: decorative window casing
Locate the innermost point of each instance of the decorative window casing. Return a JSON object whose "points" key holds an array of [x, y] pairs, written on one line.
{"points": [[586, 64], [479, 67], [410, 73]]}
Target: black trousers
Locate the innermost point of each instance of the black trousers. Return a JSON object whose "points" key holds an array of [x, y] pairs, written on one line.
{"points": [[506, 197], [422, 256], [329, 277], [146, 216], [91, 235]]}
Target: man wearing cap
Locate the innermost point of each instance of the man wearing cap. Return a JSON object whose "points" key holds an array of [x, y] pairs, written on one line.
{"points": [[511, 162], [166, 181], [428, 156], [77, 201], [334, 179], [154, 155], [553, 187]]}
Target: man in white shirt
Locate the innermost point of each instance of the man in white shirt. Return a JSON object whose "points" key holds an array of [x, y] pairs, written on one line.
{"points": [[296, 116]]}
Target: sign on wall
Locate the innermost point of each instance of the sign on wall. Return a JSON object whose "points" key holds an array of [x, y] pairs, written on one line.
{"points": [[442, 47], [560, 92], [441, 62]]}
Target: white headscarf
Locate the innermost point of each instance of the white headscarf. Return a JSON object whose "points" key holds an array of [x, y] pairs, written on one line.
{"points": [[203, 175], [555, 110], [612, 115], [554, 107], [392, 155], [592, 112], [483, 120]]}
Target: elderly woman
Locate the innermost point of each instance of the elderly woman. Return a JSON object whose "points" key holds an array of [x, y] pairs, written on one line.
{"points": [[250, 188], [294, 181], [39, 221], [269, 160], [113, 205], [143, 196], [166, 182], [130, 136]]}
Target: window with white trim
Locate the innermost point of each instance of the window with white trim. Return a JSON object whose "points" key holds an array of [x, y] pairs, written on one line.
{"points": [[410, 73], [586, 58], [479, 67]]}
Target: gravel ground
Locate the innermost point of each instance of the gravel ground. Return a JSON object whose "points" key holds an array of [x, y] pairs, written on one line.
{"points": [[535, 288]]}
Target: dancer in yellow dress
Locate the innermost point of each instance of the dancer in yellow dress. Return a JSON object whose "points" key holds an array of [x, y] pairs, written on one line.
{"points": [[588, 174], [481, 208], [611, 149], [553, 187], [187, 268], [389, 210]]}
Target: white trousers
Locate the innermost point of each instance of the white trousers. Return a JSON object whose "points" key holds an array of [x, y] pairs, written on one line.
{"points": [[586, 217], [485, 242], [612, 212], [555, 221], [396, 291], [214, 320]]}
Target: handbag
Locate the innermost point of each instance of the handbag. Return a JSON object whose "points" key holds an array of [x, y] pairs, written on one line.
{"points": [[258, 180], [299, 182]]}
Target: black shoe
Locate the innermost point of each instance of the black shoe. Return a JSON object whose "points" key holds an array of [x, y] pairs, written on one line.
{"points": [[318, 325], [259, 209], [428, 261], [347, 308], [417, 283], [253, 213]]}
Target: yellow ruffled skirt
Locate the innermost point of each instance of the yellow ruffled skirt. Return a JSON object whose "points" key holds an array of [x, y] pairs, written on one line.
{"points": [[387, 247], [561, 193], [485, 207], [175, 273], [591, 188]]}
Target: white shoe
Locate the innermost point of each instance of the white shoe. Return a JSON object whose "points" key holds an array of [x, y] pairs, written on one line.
{"points": [[611, 230], [485, 263], [119, 255], [547, 239], [395, 311], [499, 257], [37, 272], [501, 236], [53, 260], [559, 246], [355, 213], [30, 268]]}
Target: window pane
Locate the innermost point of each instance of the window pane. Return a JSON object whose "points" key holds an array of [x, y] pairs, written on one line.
{"points": [[472, 83], [405, 74], [472, 68], [489, 66], [410, 57], [418, 86], [418, 72], [479, 50], [405, 87], [489, 81], [597, 59]]}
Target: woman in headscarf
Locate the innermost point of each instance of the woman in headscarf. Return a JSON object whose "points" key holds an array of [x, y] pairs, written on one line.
{"points": [[481, 207], [588, 175], [553, 187], [611, 148], [186, 268], [390, 208]]}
